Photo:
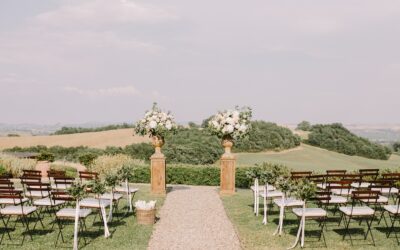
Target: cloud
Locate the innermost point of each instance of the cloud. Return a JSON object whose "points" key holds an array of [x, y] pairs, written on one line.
{"points": [[104, 12], [113, 91]]}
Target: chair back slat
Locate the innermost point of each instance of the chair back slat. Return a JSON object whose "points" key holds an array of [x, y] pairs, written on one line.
{"points": [[335, 172], [300, 174], [61, 196], [85, 175], [32, 172]]}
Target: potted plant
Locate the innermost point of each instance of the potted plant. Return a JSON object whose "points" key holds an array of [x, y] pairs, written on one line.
{"points": [[231, 125], [124, 174], [111, 180], [157, 125], [98, 188]]}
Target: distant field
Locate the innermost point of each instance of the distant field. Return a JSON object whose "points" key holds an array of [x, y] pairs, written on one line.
{"points": [[119, 138], [308, 157]]}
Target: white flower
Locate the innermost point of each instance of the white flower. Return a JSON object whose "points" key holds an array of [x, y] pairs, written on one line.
{"points": [[168, 125], [243, 128], [230, 128], [153, 124]]}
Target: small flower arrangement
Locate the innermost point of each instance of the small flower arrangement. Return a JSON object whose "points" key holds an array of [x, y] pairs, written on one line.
{"points": [[305, 189], [143, 205], [77, 190], [231, 124], [156, 123], [284, 184]]}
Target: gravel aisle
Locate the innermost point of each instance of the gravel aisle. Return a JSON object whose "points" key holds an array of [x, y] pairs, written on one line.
{"points": [[193, 218]]}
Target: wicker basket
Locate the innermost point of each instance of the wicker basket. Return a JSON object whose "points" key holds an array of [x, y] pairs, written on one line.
{"points": [[146, 217]]}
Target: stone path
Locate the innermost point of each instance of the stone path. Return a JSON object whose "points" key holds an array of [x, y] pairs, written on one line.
{"points": [[193, 218]]}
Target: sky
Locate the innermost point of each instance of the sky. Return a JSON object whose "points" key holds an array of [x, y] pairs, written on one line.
{"points": [[68, 61]]}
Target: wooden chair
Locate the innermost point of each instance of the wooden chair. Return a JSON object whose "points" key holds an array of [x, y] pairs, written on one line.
{"points": [[360, 210], [51, 174], [62, 183], [394, 215], [319, 180], [68, 214], [300, 174], [19, 210], [32, 173], [88, 176], [339, 191]]}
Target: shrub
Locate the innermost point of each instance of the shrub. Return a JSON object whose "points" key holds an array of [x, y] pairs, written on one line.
{"points": [[46, 156], [196, 175], [69, 171], [192, 146], [267, 136], [304, 125], [337, 138], [106, 164], [76, 130], [87, 159], [15, 165], [141, 151]]}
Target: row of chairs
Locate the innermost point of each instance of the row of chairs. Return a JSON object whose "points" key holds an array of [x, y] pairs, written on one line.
{"points": [[38, 196], [355, 196]]}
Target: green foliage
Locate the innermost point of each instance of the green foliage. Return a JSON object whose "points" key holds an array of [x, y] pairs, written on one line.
{"points": [[87, 158], [284, 184], [197, 175], [125, 172], [141, 151], [77, 190], [69, 171], [77, 130], [304, 125], [396, 146], [337, 138], [305, 189], [267, 136], [97, 187], [2, 170], [46, 156], [267, 173], [192, 146], [111, 180]]}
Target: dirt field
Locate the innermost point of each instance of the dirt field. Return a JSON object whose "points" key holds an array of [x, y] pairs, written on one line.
{"points": [[120, 138]]}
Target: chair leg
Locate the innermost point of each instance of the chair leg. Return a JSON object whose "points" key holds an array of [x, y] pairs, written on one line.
{"points": [[392, 222], [369, 224], [6, 229]]}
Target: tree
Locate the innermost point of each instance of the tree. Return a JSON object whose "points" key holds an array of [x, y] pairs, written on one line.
{"points": [[396, 147], [304, 125]]}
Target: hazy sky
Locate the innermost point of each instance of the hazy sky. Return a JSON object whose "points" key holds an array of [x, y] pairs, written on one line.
{"points": [[108, 60]]}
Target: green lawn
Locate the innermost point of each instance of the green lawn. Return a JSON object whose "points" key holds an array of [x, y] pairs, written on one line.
{"points": [[126, 233], [312, 158], [254, 235]]}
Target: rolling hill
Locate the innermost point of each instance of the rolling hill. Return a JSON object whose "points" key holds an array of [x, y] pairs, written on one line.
{"points": [[118, 138], [308, 157]]}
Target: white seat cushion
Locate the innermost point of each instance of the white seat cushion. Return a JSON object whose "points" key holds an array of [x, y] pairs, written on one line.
{"points": [[381, 199], [60, 186], [393, 209], [108, 196], [94, 203], [272, 194], [310, 212], [321, 185], [17, 210], [47, 202], [289, 202], [392, 190], [335, 200], [13, 201], [360, 185], [123, 190], [70, 212], [357, 210], [37, 194]]}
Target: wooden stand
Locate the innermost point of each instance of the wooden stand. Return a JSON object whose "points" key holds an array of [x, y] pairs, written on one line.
{"points": [[228, 171], [158, 174]]}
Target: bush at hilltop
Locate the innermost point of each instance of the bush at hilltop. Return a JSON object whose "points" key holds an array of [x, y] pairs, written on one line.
{"points": [[337, 138]]}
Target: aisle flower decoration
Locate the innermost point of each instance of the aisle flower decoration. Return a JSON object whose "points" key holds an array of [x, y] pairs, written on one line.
{"points": [[231, 124], [77, 191], [156, 123]]}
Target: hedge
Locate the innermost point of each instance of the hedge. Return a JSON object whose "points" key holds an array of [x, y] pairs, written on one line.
{"points": [[193, 175]]}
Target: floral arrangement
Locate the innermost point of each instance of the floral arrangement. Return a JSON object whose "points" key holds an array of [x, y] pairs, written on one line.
{"points": [[305, 189], [143, 205], [77, 190], [231, 124], [156, 123], [284, 184]]}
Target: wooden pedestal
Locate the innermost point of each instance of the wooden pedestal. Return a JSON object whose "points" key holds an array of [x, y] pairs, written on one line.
{"points": [[228, 171], [158, 174]]}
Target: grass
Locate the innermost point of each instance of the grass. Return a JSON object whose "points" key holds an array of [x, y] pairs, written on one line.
{"points": [[118, 138], [254, 235], [126, 233], [312, 158]]}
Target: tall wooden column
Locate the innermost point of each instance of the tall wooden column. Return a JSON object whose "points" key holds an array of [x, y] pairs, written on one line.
{"points": [[228, 171], [158, 174]]}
